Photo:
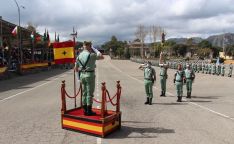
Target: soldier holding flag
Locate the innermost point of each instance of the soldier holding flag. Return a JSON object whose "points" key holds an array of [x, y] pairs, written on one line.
{"points": [[163, 74]]}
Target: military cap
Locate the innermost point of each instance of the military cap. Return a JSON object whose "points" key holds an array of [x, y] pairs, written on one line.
{"points": [[87, 43]]}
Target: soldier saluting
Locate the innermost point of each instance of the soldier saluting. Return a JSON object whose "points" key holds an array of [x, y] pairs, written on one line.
{"points": [[149, 80], [85, 65]]}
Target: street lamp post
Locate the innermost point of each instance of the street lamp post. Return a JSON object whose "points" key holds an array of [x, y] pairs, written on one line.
{"points": [[19, 39], [2, 42]]}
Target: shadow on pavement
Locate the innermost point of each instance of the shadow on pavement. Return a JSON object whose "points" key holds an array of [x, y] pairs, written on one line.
{"points": [[135, 132], [174, 103], [135, 122], [206, 97], [21, 82], [200, 101]]}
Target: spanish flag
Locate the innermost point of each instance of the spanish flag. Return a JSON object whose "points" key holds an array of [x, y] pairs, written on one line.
{"points": [[64, 52]]}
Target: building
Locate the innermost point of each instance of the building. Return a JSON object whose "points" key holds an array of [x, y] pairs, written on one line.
{"points": [[135, 48]]}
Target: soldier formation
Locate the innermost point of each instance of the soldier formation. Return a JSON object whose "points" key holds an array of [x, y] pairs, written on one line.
{"points": [[184, 75], [205, 67]]}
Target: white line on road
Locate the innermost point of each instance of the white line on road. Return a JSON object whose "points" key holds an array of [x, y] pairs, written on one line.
{"points": [[10, 97], [195, 104]]}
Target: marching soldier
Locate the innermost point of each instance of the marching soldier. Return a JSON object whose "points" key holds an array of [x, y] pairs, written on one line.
{"points": [[178, 80], [189, 76], [230, 70], [85, 64], [149, 79], [223, 70]]}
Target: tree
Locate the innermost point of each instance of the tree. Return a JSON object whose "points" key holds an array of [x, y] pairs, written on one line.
{"points": [[180, 49], [140, 34], [32, 27], [204, 52], [116, 46], [230, 50], [205, 44], [127, 53]]}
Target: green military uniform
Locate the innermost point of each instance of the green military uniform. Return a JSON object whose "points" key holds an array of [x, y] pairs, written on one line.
{"points": [[86, 63], [163, 79], [189, 75], [199, 67], [213, 69], [184, 66], [230, 70], [203, 68], [149, 78], [207, 68], [218, 69], [179, 76], [223, 70]]}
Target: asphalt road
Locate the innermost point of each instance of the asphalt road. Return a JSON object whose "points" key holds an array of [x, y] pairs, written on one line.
{"points": [[30, 109]]}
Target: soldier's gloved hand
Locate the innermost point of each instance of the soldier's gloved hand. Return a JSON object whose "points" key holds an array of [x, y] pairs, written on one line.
{"points": [[174, 80], [96, 51]]}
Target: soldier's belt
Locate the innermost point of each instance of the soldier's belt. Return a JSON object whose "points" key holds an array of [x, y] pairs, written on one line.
{"points": [[148, 79], [162, 75], [179, 81], [86, 71]]}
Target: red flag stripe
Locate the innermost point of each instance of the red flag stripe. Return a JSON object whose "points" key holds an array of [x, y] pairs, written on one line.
{"points": [[63, 44]]}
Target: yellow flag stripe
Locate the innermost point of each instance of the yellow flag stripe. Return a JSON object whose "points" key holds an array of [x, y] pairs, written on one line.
{"points": [[62, 53], [83, 126]]}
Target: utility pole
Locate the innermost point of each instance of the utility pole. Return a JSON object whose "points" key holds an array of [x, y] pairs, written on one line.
{"points": [[1, 40], [20, 55]]}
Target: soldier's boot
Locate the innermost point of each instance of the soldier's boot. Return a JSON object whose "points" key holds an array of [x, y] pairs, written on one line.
{"points": [[89, 111], [150, 101], [178, 99], [85, 109], [161, 93], [164, 93], [147, 101], [188, 95]]}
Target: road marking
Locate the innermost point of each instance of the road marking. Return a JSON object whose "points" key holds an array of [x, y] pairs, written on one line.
{"points": [[12, 96], [192, 103], [99, 140]]}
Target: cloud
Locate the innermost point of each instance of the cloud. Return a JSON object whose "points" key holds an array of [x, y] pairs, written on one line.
{"points": [[100, 19]]}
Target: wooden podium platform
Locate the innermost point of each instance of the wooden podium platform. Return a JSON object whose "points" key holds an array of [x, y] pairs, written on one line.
{"points": [[75, 120], [103, 123]]}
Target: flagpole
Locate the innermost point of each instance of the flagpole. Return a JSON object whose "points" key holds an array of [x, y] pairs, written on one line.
{"points": [[74, 41]]}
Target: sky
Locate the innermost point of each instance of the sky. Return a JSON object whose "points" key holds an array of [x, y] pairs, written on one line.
{"points": [[98, 20]]}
